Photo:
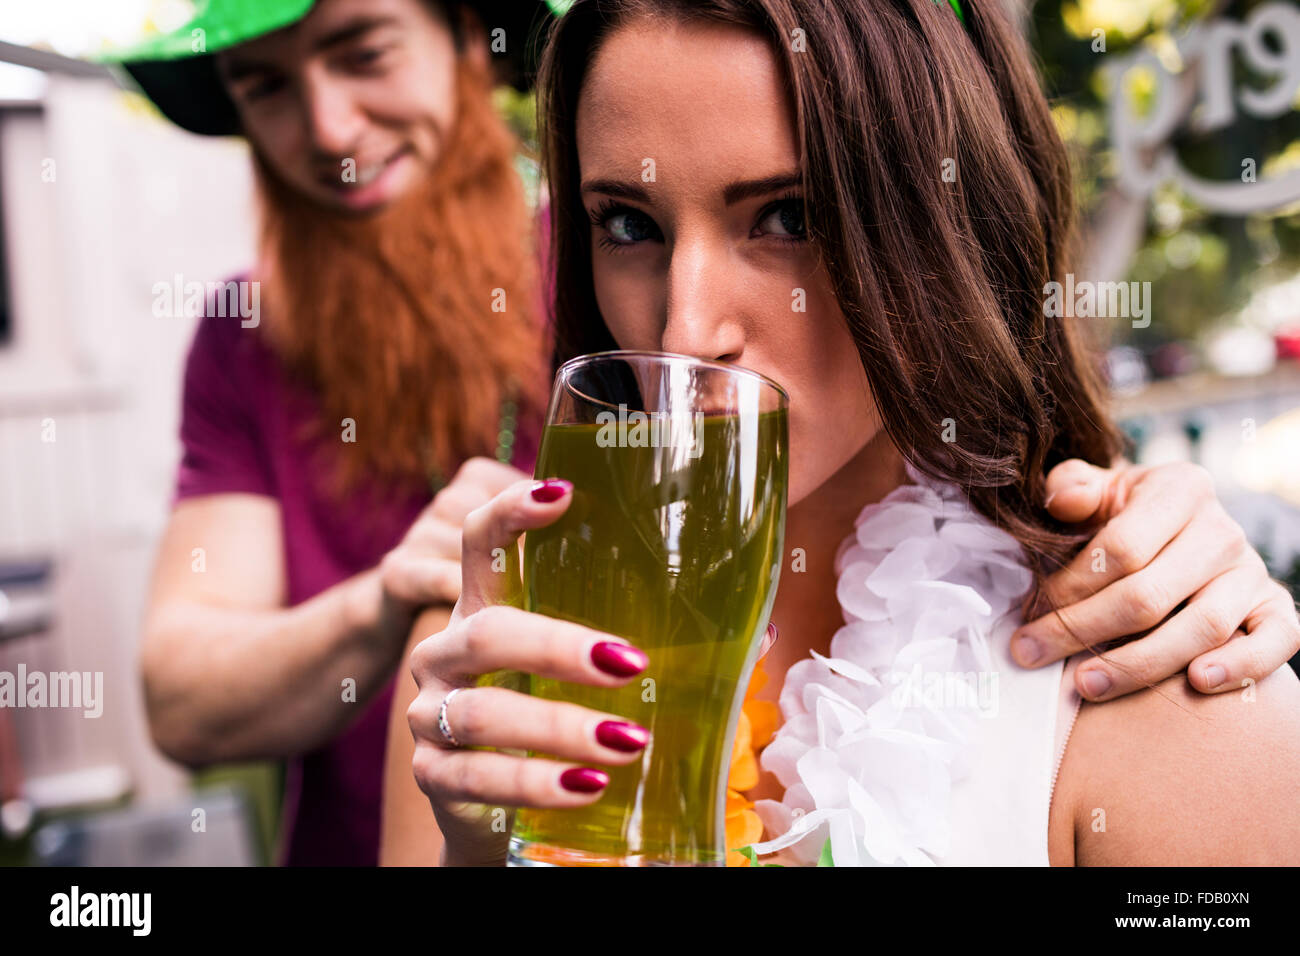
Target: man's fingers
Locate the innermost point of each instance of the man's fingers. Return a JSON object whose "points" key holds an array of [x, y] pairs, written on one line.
{"points": [[434, 537], [489, 474], [1074, 490], [477, 482], [1270, 635], [1128, 543], [1133, 604], [418, 579], [491, 534], [1208, 621], [455, 501]]}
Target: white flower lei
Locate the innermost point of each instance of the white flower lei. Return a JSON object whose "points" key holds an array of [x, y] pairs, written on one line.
{"points": [[876, 735]]}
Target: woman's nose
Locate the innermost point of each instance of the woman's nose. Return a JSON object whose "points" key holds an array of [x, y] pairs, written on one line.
{"points": [[703, 308]]}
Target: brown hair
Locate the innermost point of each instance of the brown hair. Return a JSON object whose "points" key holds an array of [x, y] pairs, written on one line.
{"points": [[941, 283], [420, 322]]}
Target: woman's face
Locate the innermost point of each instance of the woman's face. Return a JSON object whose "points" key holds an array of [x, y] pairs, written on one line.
{"points": [[689, 159]]}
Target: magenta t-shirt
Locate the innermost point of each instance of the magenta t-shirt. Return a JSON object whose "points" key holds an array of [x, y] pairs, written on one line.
{"points": [[241, 427]]}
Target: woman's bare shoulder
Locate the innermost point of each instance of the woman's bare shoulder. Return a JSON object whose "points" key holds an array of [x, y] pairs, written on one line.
{"points": [[1170, 776]]}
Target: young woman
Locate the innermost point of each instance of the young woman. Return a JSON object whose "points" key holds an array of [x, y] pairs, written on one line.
{"points": [[898, 168]]}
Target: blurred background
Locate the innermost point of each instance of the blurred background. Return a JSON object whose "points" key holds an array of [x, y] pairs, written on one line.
{"points": [[1182, 118]]}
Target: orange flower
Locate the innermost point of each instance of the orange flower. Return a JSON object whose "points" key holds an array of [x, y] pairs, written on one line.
{"points": [[754, 729]]}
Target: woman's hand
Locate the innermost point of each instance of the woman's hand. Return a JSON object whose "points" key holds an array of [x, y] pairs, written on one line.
{"points": [[1163, 540], [473, 792]]}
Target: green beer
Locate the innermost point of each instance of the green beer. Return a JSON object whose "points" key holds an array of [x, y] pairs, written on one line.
{"points": [[676, 548]]}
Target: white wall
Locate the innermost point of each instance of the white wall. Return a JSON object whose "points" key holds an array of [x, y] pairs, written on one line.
{"points": [[132, 202]]}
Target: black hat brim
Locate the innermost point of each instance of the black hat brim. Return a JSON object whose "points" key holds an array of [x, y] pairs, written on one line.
{"points": [[188, 92]]}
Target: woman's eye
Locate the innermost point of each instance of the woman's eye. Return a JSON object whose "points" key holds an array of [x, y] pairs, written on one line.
{"points": [[630, 226], [784, 220]]}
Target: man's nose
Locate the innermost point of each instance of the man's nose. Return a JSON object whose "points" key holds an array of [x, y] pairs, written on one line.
{"points": [[333, 118], [703, 307]]}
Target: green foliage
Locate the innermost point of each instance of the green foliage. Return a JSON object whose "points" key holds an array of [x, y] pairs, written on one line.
{"points": [[520, 112], [1203, 267], [262, 785], [826, 859]]}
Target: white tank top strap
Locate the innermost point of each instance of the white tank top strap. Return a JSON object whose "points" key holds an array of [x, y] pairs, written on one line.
{"points": [[1000, 811], [1067, 712]]}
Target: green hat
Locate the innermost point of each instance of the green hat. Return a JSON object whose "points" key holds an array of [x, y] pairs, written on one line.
{"points": [[177, 70]]}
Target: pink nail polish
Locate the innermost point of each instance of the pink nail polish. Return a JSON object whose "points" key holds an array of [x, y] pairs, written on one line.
{"points": [[621, 660], [552, 489], [583, 779], [622, 735]]}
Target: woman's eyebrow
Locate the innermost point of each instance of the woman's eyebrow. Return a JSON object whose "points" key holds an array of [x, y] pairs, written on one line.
{"points": [[750, 188], [614, 187], [734, 193]]}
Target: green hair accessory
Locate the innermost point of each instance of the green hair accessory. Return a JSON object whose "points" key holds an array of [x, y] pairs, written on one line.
{"points": [[956, 8]]}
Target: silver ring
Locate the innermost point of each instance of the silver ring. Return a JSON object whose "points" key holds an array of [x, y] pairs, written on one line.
{"points": [[444, 726]]}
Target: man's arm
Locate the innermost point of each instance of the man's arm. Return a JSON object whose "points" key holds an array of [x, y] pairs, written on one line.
{"points": [[229, 672], [409, 834]]}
